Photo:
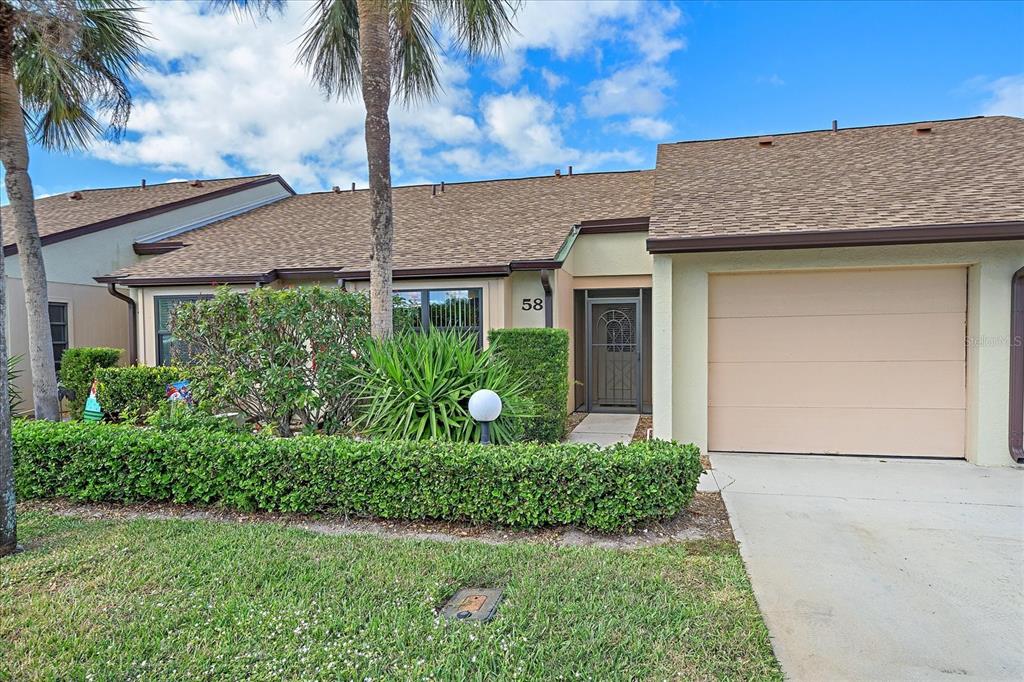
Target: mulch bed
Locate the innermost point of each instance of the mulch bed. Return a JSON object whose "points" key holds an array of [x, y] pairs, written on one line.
{"points": [[706, 518]]}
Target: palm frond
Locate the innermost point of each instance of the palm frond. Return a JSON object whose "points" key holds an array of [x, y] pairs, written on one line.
{"points": [[254, 9], [413, 50], [480, 27], [330, 46], [73, 70]]}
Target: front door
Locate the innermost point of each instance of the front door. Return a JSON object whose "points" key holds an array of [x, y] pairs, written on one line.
{"points": [[613, 355]]}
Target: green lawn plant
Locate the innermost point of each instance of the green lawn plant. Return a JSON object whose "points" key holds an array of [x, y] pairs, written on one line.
{"points": [[522, 484], [277, 356], [540, 357], [417, 386]]}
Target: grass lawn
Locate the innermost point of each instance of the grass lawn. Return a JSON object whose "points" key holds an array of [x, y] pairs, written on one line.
{"points": [[170, 600]]}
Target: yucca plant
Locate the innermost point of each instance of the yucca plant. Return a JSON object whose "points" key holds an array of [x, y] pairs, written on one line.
{"points": [[417, 386], [13, 374]]}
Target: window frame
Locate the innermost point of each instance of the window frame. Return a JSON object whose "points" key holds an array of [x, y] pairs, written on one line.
{"points": [[160, 334], [425, 292], [66, 306]]}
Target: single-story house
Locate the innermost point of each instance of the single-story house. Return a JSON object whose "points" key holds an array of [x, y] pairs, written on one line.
{"points": [[844, 291], [89, 233]]}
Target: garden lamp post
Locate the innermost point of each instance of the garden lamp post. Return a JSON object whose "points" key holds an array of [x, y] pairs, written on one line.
{"points": [[485, 407]]}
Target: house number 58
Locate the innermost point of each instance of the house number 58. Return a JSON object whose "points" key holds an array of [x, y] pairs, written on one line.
{"points": [[533, 304]]}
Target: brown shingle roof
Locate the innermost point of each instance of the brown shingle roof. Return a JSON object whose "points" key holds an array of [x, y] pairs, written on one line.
{"points": [[963, 171], [59, 214], [472, 224]]}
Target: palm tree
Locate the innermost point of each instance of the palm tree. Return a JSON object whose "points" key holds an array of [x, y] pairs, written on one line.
{"points": [[386, 48], [8, 520], [64, 67]]}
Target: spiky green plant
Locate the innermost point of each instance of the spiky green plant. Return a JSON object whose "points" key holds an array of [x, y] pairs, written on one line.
{"points": [[417, 387]]}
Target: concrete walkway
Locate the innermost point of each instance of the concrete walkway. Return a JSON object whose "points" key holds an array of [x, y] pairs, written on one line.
{"points": [[602, 428], [870, 569]]}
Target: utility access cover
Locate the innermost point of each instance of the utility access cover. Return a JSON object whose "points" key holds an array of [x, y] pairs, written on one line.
{"points": [[472, 603]]}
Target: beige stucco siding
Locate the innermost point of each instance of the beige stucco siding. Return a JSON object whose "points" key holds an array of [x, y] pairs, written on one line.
{"points": [[683, 325]]}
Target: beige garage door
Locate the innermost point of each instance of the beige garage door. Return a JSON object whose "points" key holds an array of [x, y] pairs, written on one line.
{"points": [[838, 361]]}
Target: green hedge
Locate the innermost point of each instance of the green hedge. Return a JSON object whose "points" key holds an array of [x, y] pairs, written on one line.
{"points": [[525, 484], [132, 393], [541, 358], [77, 367]]}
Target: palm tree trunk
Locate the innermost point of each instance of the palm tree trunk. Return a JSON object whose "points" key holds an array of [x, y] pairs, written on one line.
{"points": [[375, 59], [14, 156], [8, 519]]}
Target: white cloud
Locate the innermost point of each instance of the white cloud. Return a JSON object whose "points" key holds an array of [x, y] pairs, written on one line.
{"points": [[773, 79], [646, 126], [570, 28], [227, 98], [638, 89], [1006, 96], [552, 79], [524, 125]]}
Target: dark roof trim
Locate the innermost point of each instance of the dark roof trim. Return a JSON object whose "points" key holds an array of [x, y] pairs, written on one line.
{"points": [[418, 273], [155, 248], [186, 280], [519, 265], [876, 236], [306, 273], [1017, 367], [615, 225], [116, 221]]}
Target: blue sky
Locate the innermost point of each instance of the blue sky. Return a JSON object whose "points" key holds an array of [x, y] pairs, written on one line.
{"points": [[592, 84]]}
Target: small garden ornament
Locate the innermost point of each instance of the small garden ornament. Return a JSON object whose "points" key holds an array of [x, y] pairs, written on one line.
{"points": [[92, 412]]}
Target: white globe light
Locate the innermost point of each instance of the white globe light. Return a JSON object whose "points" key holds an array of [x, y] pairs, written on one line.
{"points": [[485, 405]]}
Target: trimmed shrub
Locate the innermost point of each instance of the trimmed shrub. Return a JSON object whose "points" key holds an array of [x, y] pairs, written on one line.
{"points": [[276, 355], [540, 358], [522, 485], [133, 393], [416, 386], [77, 369]]}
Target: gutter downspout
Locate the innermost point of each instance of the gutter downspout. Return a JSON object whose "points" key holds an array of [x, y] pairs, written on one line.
{"points": [[1017, 367], [133, 317], [549, 314]]}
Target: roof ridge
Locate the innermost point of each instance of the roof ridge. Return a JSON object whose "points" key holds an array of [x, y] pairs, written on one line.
{"points": [[169, 182], [841, 129], [480, 182]]}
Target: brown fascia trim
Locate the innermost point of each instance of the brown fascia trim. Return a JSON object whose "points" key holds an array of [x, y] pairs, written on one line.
{"points": [[414, 273], [213, 280], [615, 225], [332, 273], [116, 221], [1017, 367], [875, 236], [156, 248]]}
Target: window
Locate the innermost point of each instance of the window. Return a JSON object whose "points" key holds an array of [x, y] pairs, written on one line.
{"points": [[58, 331], [167, 348], [459, 309]]}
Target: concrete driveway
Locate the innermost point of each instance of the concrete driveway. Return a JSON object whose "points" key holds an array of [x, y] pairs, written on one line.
{"points": [[873, 569]]}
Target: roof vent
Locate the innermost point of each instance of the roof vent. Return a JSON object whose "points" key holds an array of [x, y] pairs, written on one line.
{"points": [[765, 142], [558, 172], [196, 183], [353, 187], [143, 183], [75, 196], [835, 125], [922, 129], [570, 171], [336, 189]]}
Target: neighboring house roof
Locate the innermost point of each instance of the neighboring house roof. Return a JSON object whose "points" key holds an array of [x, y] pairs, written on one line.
{"points": [[61, 217], [952, 180], [486, 227]]}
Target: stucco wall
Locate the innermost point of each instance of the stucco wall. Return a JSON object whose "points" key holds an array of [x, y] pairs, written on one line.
{"points": [[681, 329]]}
